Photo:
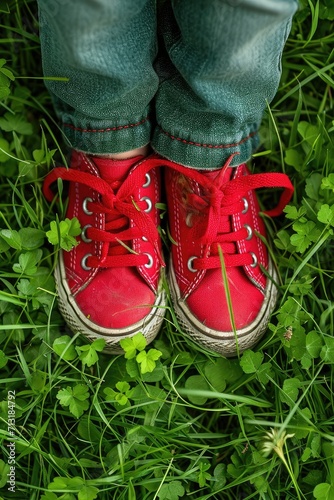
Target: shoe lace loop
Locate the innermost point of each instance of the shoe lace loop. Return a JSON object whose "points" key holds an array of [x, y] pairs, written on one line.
{"points": [[117, 201], [216, 203]]}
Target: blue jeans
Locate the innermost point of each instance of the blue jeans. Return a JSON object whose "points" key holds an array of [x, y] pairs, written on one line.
{"points": [[191, 77]]}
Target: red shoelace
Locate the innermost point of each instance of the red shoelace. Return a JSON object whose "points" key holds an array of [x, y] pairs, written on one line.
{"points": [[118, 202], [219, 202]]}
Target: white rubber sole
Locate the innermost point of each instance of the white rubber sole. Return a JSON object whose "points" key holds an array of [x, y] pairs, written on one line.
{"points": [[225, 343], [79, 323]]}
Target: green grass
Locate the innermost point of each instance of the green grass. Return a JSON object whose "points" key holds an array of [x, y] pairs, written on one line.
{"points": [[91, 426]]}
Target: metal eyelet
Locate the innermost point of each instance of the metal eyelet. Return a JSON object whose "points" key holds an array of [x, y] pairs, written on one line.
{"points": [[84, 262], [246, 206], [150, 261], [249, 232], [84, 206], [83, 234], [149, 204], [148, 180], [190, 264], [254, 263]]}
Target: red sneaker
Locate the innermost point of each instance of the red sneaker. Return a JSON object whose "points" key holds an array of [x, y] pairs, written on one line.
{"points": [[109, 285], [209, 212]]}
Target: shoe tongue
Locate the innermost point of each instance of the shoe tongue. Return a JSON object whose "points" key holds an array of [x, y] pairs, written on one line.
{"points": [[220, 176], [115, 170]]}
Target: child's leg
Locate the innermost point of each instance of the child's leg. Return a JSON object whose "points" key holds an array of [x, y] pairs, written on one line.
{"points": [[105, 48], [109, 285], [223, 68], [224, 65]]}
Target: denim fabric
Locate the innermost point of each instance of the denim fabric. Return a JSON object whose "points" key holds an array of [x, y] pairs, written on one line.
{"points": [[106, 48], [198, 99]]}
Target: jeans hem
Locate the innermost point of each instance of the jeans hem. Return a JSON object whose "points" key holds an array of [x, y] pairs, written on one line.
{"points": [[105, 138], [203, 155]]}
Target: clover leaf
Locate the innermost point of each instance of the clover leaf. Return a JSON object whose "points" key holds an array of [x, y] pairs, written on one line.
{"points": [[75, 398], [89, 352], [306, 233], [28, 262], [171, 491], [121, 396], [133, 344], [63, 347], [251, 361], [64, 233], [326, 214], [147, 360]]}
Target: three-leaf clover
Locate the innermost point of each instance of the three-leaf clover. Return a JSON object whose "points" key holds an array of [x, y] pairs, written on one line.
{"points": [[289, 393], [89, 352], [326, 214], [75, 398], [64, 233], [203, 474], [294, 213], [171, 491], [76, 484], [16, 122], [121, 396], [28, 262], [328, 182], [306, 233], [251, 361], [133, 344], [147, 360]]}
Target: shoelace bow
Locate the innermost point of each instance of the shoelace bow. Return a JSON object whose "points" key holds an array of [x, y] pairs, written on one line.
{"points": [[219, 202], [119, 205]]}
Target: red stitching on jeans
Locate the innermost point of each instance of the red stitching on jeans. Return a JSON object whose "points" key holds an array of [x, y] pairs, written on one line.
{"points": [[210, 146], [111, 129]]}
